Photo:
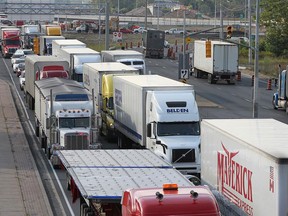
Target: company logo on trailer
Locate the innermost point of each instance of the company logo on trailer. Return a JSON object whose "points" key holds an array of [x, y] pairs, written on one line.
{"points": [[234, 180], [175, 110]]}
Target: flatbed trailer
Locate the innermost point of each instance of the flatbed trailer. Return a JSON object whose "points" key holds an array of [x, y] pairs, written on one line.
{"points": [[99, 177]]}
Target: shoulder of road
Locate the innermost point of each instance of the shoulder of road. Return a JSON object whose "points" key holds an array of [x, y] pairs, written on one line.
{"points": [[21, 189]]}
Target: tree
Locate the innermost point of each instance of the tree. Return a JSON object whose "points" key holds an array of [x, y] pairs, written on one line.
{"points": [[275, 18]]}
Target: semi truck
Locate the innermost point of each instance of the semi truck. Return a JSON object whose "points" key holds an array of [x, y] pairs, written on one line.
{"points": [[129, 57], [280, 98], [99, 77], [247, 161], [160, 114], [76, 58], [10, 41], [71, 43], [215, 60], [46, 44], [132, 182], [28, 33], [153, 43], [34, 63], [63, 116]]}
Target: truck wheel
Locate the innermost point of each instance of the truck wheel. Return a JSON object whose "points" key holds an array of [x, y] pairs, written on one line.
{"points": [[273, 103], [210, 81], [37, 128], [82, 207], [48, 152]]}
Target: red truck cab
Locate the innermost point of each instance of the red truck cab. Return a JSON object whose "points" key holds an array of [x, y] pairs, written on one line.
{"points": [[170, 200], [10, 41], [52, 71]]}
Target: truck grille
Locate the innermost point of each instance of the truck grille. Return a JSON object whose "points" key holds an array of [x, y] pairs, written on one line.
{"points": [[12, 50], [183, 155], [76, 141]]}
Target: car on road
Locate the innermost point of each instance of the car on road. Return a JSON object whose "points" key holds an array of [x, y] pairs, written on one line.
{"points": [[17, 62], [174, 31], [22, 80], [20, 68], [19, 53], [126, 31]]}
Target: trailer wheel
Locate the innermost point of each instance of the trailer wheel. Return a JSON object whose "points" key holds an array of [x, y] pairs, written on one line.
{"points": [[48, 152], [37, 128], [274, 103]]}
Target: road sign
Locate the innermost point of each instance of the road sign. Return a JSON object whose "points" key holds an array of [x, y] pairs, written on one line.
{"points": [[184, 74], [117, 36], [188, 40]]}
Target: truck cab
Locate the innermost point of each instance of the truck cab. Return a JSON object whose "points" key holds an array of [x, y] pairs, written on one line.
{"points": [[10, 41], [279, 100], [173, 124], [169, 200]]}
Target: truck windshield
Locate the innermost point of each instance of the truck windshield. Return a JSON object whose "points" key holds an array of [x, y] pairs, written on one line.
{"points": [[178, 128], [12, 42], [74, 122]]}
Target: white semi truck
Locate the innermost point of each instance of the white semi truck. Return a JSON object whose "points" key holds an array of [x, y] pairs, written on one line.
{"points": [[215, 60], [99, 77], [64, 115], [76, 58], [34, 63], [160, 114], [59, 44], [247, 161], [106, 180], [129, 57]]}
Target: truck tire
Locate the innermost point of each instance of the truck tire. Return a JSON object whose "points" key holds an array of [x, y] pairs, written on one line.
{"points": [[210, 80], [37, 128], [274, 103], [48, 152], [82, 207]]}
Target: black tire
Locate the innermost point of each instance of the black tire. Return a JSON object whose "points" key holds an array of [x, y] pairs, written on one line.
{"points": [[273, 103], [83, 206], [37, 128], [48, 152]]}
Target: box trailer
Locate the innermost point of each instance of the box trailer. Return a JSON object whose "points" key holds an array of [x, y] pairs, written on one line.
{"points": [[59, 44], [247, 161], [46, 44], [215, 60]]}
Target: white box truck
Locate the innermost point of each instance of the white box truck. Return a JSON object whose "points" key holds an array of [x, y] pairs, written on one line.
{"points": [[34, 64], [76, 58], [247, 161], [215, 60], [99, 77], [59, 44], [160, 114], [46, 43], [129, 57]]}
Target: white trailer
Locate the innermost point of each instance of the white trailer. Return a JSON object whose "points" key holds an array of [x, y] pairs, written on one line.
{"points": [[129, 57], [76, 58], [247, 161], [160, 114], [34, 63], [221, 65], [46, 44], [59, 44], [63, 116], [101, 176], [99, 77]]}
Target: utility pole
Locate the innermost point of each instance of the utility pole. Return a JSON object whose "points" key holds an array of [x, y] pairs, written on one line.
{"points": [[107, 26], [249, 32], [221, 21], [255, 94], [184, 39], [158, 15], [146, 5]]}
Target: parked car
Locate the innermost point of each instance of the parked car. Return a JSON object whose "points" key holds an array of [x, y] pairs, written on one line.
{"points": [[174, 31], [17, 62], [20, 52], [126, 31], [22, 80], [138, 30]]}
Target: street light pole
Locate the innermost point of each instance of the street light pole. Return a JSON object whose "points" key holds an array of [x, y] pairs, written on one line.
{"points": [[249, 32], [146, 5], [255, 94], [107, 26], [221, 21]]}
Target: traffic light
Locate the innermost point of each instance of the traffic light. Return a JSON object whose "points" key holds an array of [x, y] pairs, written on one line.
{"points": [[208, 48], [229, 31], [36, 47]]}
